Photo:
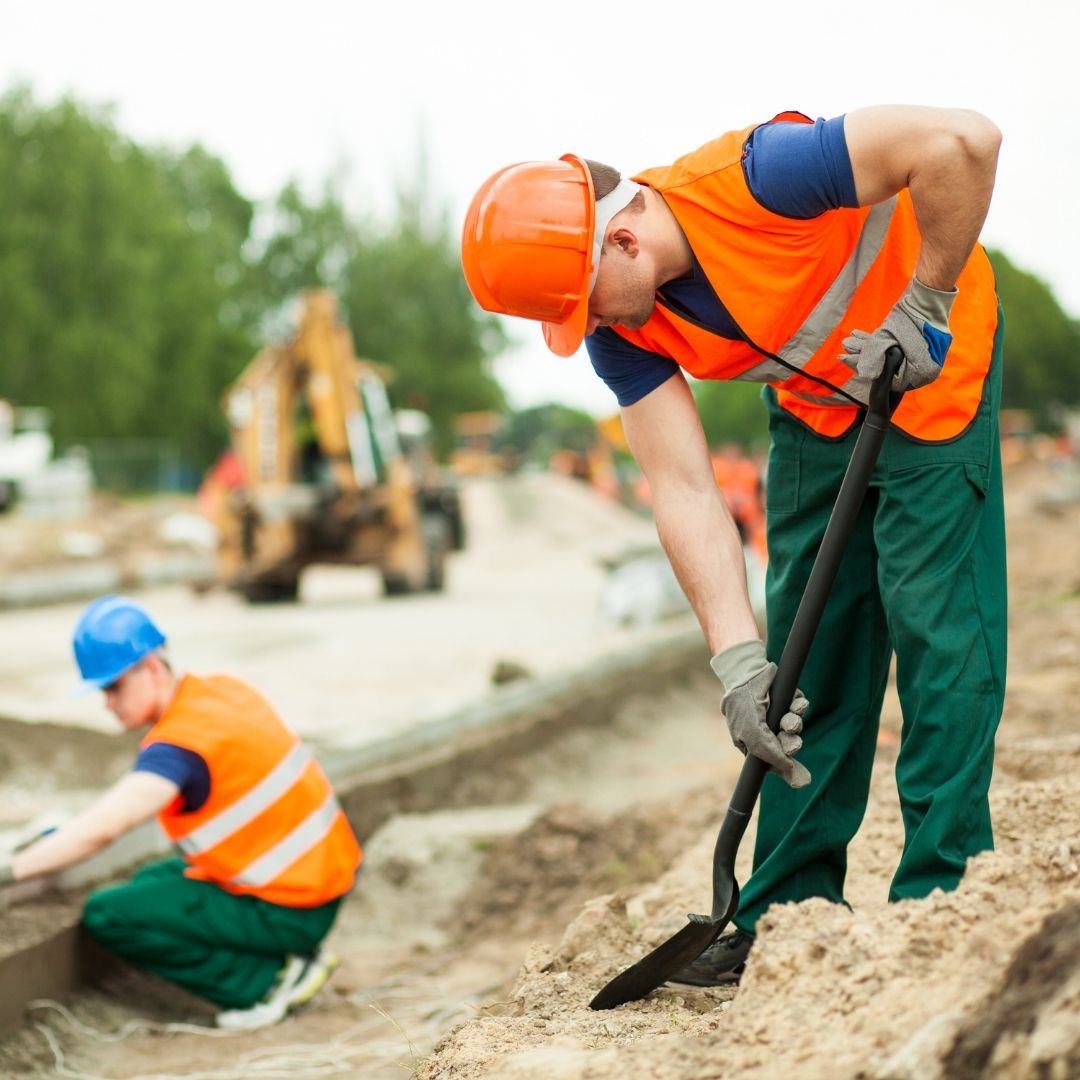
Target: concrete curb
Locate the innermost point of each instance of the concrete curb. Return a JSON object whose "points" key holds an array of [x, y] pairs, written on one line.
{"points": [[80, 581], [424, 769]]}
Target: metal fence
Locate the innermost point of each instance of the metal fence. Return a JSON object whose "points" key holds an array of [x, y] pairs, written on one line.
{"points": [[139, 466]]}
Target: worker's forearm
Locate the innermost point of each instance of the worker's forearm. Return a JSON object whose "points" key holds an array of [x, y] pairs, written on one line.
{"points": [[68, 845], [133, 799], [706, 554]]}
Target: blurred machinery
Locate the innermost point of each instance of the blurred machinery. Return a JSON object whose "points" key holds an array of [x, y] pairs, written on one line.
{"points": [[475, 437], [598, 461], [319, 471], [41, 485]]}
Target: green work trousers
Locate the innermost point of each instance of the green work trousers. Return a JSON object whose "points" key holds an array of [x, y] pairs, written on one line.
{"points": [[223, 947], [923, 576]]}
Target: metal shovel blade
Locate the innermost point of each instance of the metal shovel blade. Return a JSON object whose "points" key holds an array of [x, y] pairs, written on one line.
{"points": [[663, 962], [670, 957]]}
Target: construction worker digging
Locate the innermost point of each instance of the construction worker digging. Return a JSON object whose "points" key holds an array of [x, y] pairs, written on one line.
{"points": [[795, 254], [267, 853]]}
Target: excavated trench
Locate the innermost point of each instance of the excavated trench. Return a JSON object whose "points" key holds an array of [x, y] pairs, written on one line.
{"points": [[476, 847]]}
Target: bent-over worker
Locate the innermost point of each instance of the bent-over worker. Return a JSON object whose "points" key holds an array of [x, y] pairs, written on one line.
{"points": [[266, 852], [795, 253]]}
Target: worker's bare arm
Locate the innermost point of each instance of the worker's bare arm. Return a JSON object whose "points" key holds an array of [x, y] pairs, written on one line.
{"points": [[129, 802], [946, 158], [692, 518]]}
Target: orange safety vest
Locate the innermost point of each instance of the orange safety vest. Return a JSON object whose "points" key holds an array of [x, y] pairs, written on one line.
{"points": [[271, 826], [796, 288]]}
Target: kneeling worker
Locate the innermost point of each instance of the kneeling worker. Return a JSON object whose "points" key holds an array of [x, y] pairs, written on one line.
{"points": [[267, 852]]}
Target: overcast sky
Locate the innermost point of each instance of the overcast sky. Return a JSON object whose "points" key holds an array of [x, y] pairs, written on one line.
{"points": [[298, 90]]}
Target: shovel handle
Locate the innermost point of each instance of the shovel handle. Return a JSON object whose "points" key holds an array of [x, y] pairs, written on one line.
{"points": [[849, 501], [701, 931]]}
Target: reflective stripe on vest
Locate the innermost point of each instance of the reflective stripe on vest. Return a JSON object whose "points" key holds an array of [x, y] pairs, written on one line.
{"points": [[269, 826], [291, 847], [261, 797], [827, 315], [831, 308]]}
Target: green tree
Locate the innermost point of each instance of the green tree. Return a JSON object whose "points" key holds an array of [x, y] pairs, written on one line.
{"points": [[308, 245], [1042, 345], [121, 278], [410, 308], [403, 293], [732, 412]]}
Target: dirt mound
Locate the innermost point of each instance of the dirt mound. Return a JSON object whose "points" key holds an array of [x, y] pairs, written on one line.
{"points": [[980, 982], [1032, 1020], [889, 992], [570, 852], [895, 994]]}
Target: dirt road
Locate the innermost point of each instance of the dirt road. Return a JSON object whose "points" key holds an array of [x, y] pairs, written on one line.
{"points": [[527, 589], [467, 952], [345, 667]]}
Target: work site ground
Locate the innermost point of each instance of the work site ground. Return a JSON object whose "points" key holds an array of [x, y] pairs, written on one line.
{"points": [[479, 931]]}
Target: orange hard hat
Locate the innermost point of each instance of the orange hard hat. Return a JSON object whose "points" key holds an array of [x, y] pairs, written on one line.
{"points": [[527, 246]]}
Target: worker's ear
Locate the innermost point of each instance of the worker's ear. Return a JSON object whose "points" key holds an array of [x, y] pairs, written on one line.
{"points": [[155, 663], [625, 239]]}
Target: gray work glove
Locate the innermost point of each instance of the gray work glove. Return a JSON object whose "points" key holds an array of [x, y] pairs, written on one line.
{"points": [[919, 324], [747, 674]]}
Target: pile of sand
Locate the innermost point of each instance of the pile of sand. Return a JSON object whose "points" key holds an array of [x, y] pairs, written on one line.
{"points": [[897, 993], [981, 982]]}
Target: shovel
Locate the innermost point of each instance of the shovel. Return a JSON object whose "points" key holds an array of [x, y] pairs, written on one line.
{"points": [[702, 930]]}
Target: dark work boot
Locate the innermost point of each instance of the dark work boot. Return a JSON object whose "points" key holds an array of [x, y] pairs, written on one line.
{"points": [[721, 964]]}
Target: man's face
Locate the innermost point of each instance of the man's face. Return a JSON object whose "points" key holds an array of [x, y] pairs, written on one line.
{"points": [[624, 294], [133, 698]]}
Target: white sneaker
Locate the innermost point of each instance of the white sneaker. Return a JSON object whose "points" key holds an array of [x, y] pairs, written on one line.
{"points": [[298, 981]]}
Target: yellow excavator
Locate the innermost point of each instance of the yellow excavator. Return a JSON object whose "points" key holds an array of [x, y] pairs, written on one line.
{"points": [[322, 470]]}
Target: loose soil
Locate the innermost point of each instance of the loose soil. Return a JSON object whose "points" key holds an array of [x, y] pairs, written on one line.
{"points": [[477, 937]]}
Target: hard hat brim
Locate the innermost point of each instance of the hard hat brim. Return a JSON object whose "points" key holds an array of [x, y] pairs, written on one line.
{"points": [[87, 686], [565, 338]]}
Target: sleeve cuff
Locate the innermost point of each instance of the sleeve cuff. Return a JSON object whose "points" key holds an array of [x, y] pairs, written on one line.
{"points": [[739, 663]]}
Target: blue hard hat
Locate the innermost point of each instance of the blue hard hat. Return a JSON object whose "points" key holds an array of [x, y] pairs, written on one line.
{"points": [[112, 635]]}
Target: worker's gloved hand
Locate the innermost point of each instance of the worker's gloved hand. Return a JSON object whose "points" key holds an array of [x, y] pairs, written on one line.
{"points": [[747, 674], [919, 324], [6, 875]]}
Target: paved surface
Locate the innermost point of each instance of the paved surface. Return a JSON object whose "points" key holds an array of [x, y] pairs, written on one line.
{"points": [[347, 668]]}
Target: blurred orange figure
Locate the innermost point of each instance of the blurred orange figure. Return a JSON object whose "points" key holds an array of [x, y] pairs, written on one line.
{"points": [[739, 478], [225, 475]]}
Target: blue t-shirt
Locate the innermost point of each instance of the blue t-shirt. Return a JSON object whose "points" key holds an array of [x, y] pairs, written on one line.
{"points": [[794, 169], [184, 768]]}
